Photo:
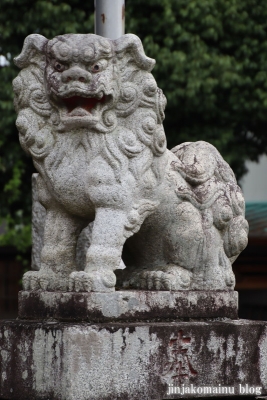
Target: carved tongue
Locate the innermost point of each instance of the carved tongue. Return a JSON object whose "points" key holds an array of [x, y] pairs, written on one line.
{"points": [[77, 102]]}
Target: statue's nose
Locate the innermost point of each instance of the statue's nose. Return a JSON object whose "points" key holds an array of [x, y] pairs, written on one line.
{"points": [[76, 74]]}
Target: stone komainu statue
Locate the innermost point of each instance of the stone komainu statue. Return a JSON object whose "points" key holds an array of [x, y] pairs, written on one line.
{"points": [[90, 115]]}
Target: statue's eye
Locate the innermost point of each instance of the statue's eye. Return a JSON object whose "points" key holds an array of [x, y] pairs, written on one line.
{"points": [[96, 68], [59, 67], [99, 66]]}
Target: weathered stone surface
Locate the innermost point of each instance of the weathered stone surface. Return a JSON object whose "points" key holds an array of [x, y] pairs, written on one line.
{"points": [[133, 361], [90, 114], [127, 305], [38, 224], [38, 219]]}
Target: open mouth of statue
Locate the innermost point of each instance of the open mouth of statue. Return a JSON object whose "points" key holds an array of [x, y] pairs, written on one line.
{"points": [[78, 106]]}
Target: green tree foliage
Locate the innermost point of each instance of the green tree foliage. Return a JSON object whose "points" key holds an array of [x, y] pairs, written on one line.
{"points": [[211, 64]]}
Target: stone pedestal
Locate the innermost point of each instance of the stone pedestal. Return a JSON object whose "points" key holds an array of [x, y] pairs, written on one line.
{"points": [[127, 305], [131, 345], [132, 361]]}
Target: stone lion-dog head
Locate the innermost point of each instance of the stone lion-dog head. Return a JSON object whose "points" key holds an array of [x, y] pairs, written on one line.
{"points": [[86, 81]]}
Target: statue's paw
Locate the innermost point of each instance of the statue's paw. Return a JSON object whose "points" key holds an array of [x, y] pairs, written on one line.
{"points": [[30, 280], [93, 281], [171, 277], [230, 280], [154, 280], [44, 280]]}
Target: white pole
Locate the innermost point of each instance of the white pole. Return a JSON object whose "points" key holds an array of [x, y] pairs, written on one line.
{"points": [[109, 18]]}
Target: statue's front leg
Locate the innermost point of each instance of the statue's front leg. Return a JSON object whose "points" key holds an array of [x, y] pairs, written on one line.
{"points": [[58, 252], [104, 254]]}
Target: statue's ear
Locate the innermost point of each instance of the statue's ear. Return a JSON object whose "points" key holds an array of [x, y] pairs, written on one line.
{"points": [[132, 45], [33, 51]]}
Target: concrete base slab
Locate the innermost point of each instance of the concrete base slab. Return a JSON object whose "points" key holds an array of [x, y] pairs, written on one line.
{"points": [[132, 361], [129, 305]]}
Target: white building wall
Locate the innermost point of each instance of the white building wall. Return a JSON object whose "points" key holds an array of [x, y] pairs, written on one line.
{"points": [[254, 183]]}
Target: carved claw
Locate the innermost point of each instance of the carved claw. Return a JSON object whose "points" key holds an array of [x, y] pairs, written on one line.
{"points": [[44, 280], [140, 280], [30, 280], [95, 281], [168, 278], [80, 282], [158, 280], [167, 282], [230, 280]]}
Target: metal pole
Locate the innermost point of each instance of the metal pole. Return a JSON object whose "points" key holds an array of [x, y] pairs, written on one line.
{"points": [[110, 18]]}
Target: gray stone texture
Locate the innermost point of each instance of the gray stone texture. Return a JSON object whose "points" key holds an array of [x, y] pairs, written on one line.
{"points": [[38, 224], [127, 305], [133, 361], [90, 115]]}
